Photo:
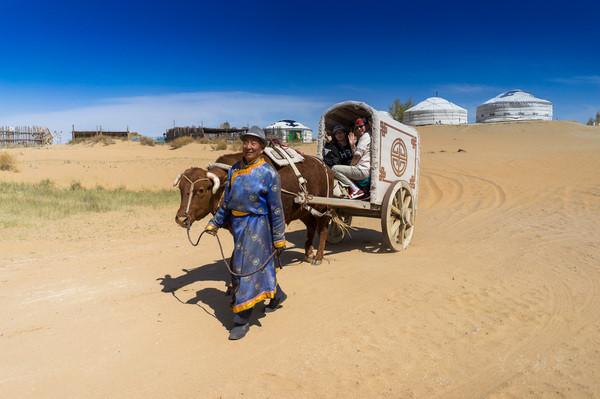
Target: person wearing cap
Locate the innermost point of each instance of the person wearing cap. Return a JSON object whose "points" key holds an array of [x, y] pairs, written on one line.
{"points": [[359, 168], [252, 204], [338, 151]]}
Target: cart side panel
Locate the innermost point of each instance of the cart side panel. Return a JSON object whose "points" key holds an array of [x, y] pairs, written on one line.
{"points": [[321, 137], [378, 188], [398, 158]]}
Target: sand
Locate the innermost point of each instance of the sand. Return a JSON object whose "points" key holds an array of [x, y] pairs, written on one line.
{"points": [[498, 295]]}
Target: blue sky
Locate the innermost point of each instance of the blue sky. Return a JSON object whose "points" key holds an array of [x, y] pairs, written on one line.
{"points": [[147, 64]]}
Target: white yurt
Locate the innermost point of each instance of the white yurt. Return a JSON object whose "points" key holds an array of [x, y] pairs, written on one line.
{"points": [[288, 130], [435, 111], [514, 105]]}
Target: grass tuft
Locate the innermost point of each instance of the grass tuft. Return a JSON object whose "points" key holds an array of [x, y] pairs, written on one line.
{"points": [[180, 142], [100, 139], [8, 162], [219, 145], [147, 141], [23, 204], [236, 145]]}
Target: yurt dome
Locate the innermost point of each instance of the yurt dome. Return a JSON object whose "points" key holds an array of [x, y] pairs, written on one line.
{"points": [[514, 105], [289, 130], [435, 111]]}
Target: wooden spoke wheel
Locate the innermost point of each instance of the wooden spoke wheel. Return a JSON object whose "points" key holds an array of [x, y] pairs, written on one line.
{"points": [[335, 235], [398, 216]]}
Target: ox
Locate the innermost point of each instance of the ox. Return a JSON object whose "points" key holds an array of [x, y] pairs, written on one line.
{"points": [[208, 192]]}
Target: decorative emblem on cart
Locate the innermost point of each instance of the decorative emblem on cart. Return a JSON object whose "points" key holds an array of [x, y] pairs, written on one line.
{"points": [[399, 157], [383, 128], [382, 173]]}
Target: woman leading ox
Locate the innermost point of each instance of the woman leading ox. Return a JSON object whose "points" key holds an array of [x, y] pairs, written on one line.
{"points": [[252, 203]]}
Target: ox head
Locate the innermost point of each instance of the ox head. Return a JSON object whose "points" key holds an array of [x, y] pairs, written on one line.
{"points": [[199, 189]]}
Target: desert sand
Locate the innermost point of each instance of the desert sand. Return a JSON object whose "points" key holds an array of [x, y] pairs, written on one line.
{"points": [[498, 295]]}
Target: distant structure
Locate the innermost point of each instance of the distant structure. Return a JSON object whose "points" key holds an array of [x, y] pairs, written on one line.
{"points": [[87, 134], [514, 105], [435, 111], [204, 132], [289, 131], [25, 136]]}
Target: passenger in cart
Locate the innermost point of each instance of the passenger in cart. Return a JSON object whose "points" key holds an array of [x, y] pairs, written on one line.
{"points": [[338, 151], [360, 165]]}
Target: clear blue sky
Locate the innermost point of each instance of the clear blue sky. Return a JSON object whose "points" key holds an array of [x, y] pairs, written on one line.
{"points": [[146, 64]]}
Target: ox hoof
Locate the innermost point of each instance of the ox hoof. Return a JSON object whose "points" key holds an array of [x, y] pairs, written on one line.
{"points": [[317, 262]]}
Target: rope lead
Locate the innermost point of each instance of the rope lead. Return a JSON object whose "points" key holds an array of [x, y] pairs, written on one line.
{"points": [[225, 260]]}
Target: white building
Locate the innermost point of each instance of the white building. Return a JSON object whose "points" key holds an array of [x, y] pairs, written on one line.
{"points": [[289, 131], [514, 105], [435, 111]]}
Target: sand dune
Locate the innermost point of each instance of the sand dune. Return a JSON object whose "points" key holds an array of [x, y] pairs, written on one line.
{"points": [[498, 295]]}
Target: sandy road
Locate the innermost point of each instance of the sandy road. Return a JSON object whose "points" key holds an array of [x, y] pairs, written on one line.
{"points": [[498, 295]]}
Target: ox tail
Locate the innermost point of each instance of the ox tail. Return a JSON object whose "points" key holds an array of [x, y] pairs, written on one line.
{"points": [[340, 224]]}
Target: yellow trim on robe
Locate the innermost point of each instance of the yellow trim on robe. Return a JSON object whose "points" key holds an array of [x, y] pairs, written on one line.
{"points": [[211, 227], [279, 244], [239, 213], [251, 302], [246, 169]]}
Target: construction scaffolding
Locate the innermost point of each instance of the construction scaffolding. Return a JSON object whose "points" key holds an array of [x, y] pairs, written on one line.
{"points": [[24, 136]]}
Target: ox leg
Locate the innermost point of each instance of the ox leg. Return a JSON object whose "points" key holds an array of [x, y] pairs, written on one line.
{"points": [[323, 226], [311, 229]]}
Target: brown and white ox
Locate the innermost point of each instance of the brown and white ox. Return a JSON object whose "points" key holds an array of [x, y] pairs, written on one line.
{"points": [[208, 191]]}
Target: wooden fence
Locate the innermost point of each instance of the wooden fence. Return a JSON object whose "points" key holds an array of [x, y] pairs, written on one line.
{"points": [[204, 132], [87, 134]]}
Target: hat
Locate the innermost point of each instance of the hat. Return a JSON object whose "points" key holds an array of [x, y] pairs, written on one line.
{"points": [[256, 132], [339, 127], [360, 122]]}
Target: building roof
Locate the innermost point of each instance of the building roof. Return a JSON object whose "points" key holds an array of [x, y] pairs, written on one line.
{"points": [[435, 104], [516, 95], [287, 124]]}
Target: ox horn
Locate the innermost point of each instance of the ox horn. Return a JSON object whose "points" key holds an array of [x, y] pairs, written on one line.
{"points": [[176, 182], [216, 181]]}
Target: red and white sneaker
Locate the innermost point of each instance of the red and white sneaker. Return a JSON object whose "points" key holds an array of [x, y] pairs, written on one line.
{"points": [[357, 194]]}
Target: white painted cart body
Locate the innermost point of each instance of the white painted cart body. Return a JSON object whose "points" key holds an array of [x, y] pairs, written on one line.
{"points": [[394, 173]]}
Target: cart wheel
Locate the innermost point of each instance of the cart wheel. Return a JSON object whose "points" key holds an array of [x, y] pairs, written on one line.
{"points": [[335, 235], [398, 216]]}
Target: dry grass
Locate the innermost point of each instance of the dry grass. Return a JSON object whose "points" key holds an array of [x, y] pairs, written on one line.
{"points": [[236, 146], [25, 203], [147, 141], [180, 142], [215, 144], [100, 139], [8, 162], [219, 145]]}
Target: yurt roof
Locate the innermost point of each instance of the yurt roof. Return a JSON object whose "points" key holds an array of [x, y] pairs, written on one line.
{"points": [[435, 103], [287, 124], [516, 95]]}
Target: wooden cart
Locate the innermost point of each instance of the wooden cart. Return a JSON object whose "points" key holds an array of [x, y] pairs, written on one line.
{"points": [[394, 185]]}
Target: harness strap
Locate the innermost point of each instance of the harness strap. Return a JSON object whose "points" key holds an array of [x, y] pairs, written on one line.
{"points": [[189, 202], [284, 153], [301, 197]]}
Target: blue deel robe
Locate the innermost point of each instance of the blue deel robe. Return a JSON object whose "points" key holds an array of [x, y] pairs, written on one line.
{"points": [[252, 202]]}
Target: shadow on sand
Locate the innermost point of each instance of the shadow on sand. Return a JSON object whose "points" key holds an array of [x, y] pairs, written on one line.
{"points": [[213, 301], [217, 303]]}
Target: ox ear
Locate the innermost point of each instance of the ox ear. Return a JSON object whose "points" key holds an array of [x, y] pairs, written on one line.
{"points": [[216, 181], [176, 182]]}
